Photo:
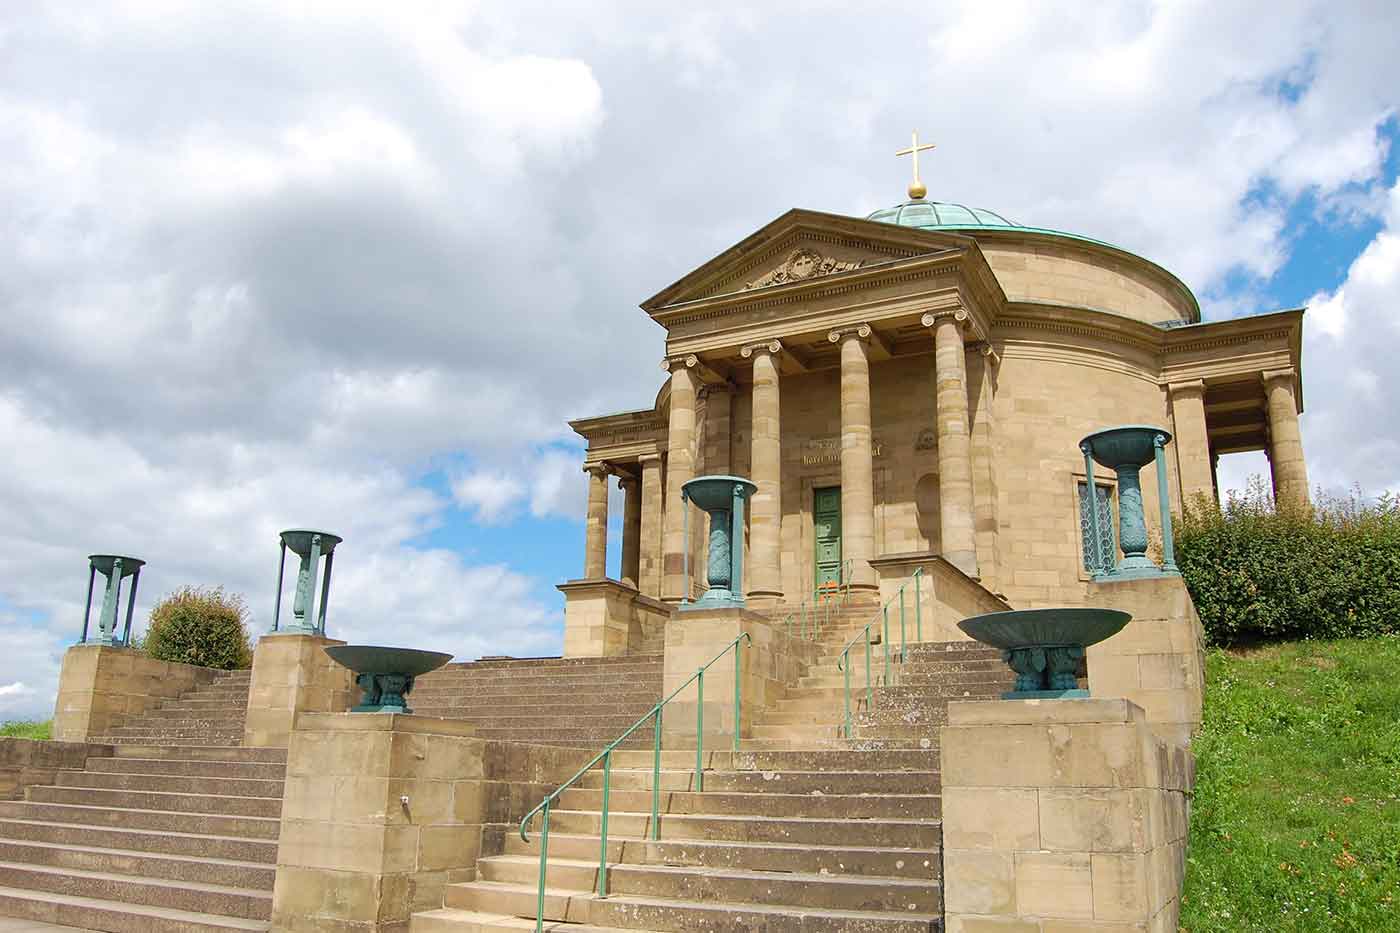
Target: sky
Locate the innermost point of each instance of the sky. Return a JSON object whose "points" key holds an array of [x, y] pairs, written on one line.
{"points": [[354, 265]]}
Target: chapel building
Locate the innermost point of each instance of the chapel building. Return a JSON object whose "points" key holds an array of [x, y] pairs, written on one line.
{"points": [[910, 389]]}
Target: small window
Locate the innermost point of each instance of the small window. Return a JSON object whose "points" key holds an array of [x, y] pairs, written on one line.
{"points": [[1106, 553]]}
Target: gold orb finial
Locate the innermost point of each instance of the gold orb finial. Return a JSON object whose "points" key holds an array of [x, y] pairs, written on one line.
{"points": [[917, 190]]}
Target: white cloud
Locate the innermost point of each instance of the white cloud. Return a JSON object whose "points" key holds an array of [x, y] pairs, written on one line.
{"points": [[269, 264]]}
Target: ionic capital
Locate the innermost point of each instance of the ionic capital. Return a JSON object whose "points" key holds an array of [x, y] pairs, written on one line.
{"points": [[1187, 387], [763, 346], [646, 459], [599, 470], [1279, 375], [687, 360], [965, 321], [988, 352], [859, 331]]}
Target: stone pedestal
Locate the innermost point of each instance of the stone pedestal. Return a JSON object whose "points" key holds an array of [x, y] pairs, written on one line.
{"points": [[293, 674], [1158, 661], [769, 661], [100, 684], [603, 618], [946, 596], [382, 811], [1061, 816]]}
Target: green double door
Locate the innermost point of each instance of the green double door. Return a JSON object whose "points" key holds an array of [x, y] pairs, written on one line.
{"points": [[826, 526]]}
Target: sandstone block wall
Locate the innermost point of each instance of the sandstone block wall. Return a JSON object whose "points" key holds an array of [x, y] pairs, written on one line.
{"points": [[1062, 816], [293, 674], [99, 684], [604, 618], [27, 761], [382, 811]]}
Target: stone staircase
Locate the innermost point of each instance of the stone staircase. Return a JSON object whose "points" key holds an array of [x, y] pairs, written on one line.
{"points": [[802, 831], [581, 702], [174, 829]]}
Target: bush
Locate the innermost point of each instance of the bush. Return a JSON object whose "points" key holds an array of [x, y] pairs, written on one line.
{"points": [[22, 729], [201, 626], [1260, 573]]}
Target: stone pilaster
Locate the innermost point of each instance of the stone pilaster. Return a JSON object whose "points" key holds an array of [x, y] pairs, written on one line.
{"points": [[857, 458], [595, 542], [1285, 439], [680, 469], [984, 487], [1193, 458], [292, 674], [956, 515], [650, 530], [766, 506], [631, 529]]}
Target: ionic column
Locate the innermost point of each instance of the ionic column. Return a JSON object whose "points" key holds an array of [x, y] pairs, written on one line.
{"points": [[857, 460], [766, 506], [1193, 457], [1285, 440], [680, 469], [595, 541], [956, 517], [649, 532], [631, 529]]}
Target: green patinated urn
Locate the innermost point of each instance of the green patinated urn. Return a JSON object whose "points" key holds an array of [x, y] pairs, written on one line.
{"points": [[1126, 450], [1044, 646], [385, 675], [722, 497]]}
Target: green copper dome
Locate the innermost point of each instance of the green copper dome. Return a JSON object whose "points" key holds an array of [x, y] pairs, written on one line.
{"points": [[939, 215]]}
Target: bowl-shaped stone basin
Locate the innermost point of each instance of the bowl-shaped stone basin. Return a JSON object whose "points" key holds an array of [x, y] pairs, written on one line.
{"points": [[1024, 628], [716, 492], [1125, 447], [372, 659]]}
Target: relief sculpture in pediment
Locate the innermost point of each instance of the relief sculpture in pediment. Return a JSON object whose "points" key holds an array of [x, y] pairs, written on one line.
{"points": [[804, 263]]}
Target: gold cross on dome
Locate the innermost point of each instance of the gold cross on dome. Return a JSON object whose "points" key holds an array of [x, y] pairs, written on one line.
{"points": [[916, 188]]}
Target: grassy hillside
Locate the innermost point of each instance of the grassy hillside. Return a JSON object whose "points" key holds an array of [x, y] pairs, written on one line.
{"points": [[1296, 820]]}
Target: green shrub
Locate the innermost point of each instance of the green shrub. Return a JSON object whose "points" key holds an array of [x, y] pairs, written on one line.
{"points": [[1260, 573], [20, 729], [197, 625]]}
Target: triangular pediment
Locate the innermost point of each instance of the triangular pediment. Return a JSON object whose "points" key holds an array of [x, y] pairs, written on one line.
{"points": [[798, 247]]}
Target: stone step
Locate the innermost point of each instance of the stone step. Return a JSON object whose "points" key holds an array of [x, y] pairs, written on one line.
{"points": [[462, 708], [254, 770], [221, 804], [814, 732], [113, 916], [793, 889], [614, 723], [773, 782], [251, 827], [176, 714], [173, 783], [621, 660], [775, 805], [582, 738], [635, 912], [142, 840], [203, 869], [631, 669], [910, 834], [202, 753], [206, 739], [648, 689], [833, 858], [179, 895], [455, 920]]}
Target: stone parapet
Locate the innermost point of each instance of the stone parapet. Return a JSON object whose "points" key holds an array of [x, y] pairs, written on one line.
{"points": [[1062, 816], [604, 617], [1158, 660], [946, 594], [382, 811], [292, 674], [100, 684], [31, 761]]}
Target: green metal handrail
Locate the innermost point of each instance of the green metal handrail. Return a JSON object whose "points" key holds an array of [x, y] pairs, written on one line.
{"points": [[808, 626], [605, 756], [843, 661]]}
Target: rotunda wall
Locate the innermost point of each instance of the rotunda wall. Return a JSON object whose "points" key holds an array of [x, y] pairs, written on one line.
{"points": [[1050, 393], [1050, 269]]}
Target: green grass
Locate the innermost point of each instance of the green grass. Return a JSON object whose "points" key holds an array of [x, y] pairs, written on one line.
{"points": [[27, 730], [1295, 823]]}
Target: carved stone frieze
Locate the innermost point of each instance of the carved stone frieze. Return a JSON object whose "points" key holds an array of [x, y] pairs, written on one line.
{"points": [[804, 263]]}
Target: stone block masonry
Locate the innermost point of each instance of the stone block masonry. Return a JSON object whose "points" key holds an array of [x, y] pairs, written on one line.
{"points": [[100, 685], [1062, 816]]}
